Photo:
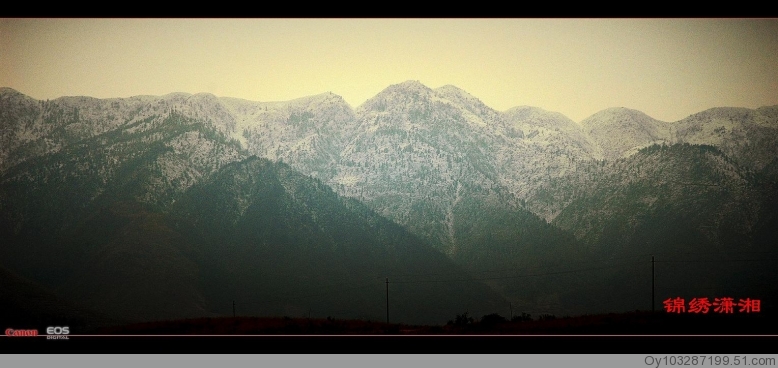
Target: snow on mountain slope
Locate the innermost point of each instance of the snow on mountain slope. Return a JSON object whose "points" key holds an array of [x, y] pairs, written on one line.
{"points": [[547, 145], [308, 133], [749, 136], [619, 131]]}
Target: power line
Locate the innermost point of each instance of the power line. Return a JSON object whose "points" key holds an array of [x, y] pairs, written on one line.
{"points": [[514, 269], [514, 276], [533, 274], [719, 260], [584, 261], [721, 252]]}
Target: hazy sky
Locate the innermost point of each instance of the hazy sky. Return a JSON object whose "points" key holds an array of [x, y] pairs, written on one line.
{"points": [[667, 68]]}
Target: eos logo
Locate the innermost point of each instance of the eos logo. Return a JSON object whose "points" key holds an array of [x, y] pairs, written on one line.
{"points": [[56, 333], [58, 330]]}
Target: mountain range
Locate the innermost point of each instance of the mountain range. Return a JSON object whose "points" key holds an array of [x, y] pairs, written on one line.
{"points": [[160, 207]]}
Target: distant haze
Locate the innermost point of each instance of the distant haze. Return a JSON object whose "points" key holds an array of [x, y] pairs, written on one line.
{"points": [[667, 68]]}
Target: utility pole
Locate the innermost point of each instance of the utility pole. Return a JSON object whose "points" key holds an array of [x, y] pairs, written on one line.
{"points": [[233, 309], [511, 306], [653, 278], [387, 300]]}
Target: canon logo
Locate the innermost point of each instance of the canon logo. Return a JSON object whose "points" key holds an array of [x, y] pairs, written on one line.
{"points": [[58, 330], [16, 333]]}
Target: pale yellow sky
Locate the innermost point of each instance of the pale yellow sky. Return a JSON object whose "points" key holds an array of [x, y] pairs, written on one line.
{"points": [[667, 68]]}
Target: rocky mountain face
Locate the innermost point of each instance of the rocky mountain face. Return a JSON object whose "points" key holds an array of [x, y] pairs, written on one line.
{"points": [[415, 152], [551, 147], [169, 181]]}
